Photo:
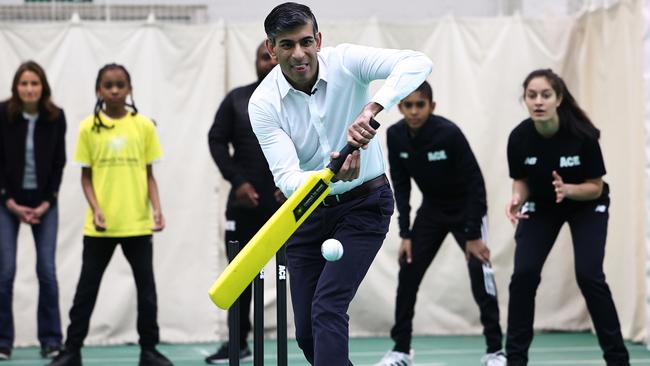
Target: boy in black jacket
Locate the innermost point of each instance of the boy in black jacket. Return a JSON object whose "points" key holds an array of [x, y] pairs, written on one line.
{"points": [[434, 152]]}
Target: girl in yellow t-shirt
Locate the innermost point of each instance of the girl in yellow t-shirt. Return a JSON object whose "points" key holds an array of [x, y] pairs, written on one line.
{"points": [[116, 147]]}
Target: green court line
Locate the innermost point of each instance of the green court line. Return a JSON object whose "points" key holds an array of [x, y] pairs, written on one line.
{"points": [[548, 349]]}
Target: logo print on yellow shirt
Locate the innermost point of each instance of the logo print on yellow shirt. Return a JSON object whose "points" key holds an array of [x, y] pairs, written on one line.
{"points": [[117, 143]]}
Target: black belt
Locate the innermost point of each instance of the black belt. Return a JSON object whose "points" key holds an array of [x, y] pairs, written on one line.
{"points": [[356, 192]]}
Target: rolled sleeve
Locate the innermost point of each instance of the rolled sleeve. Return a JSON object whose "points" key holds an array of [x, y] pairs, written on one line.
{"points": [[408, 73]]}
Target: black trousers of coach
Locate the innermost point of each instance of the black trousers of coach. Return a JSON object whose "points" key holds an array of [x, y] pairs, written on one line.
{"points": [[241, 225], [427, 236], [534, 238], [321, 291], [97, 252]]}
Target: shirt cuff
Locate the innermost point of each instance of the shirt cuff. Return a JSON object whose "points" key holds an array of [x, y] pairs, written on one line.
{"points": [[472, 233], [52, 198], [387, 97], [237, 181], [4, 196]]}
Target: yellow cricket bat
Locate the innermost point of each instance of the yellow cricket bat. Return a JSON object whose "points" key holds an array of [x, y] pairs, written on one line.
{"points": [[275, 232]]}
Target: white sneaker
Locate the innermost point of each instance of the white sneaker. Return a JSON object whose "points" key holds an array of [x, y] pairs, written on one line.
{"points": [[494, 359], [393, 358]]}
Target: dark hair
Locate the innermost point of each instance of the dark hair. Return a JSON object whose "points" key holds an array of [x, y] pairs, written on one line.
{"points": [[45, 105], [98, 124], [425, 89], [286, 17], [572, 117]]}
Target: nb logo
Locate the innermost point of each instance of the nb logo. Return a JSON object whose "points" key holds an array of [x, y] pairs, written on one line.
{"points": [[231, 225], [531, 160], [569, 161], [528, 207], [601, 208], [437, 155], [282, 272], [404, 155]]}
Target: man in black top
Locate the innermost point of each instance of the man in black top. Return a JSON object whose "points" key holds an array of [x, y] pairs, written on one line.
{"points": [[253, 198], [434, 152]]}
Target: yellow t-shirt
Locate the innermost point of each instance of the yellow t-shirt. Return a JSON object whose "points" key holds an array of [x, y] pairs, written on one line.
{"points": [[118, 158]]}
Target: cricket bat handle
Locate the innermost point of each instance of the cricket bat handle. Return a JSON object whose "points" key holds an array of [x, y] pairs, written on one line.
{"points": [[335, 164]]}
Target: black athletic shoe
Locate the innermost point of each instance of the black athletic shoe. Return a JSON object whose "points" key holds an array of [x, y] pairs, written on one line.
{"points": [[50, 351], [151, 357], [5, 354], [67, 358], [221, 356]]}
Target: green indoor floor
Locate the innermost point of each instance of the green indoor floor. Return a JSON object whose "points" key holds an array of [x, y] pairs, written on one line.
{"points": [[548, 349]]}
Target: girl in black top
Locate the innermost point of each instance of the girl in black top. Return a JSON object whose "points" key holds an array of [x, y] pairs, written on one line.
{"points": [[557, 167], [32, 156]]}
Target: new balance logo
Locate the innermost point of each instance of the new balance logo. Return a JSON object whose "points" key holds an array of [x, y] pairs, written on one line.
{"points": [[531, 160], [528, 207], [601, 208], [569, 161], [404, 155], [230, 225], [437, 155]]}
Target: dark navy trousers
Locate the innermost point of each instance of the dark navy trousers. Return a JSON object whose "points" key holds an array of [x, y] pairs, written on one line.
{"points": [[534, 238], [321, 291]]}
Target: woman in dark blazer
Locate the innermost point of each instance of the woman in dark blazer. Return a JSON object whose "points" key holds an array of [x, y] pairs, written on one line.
{"points": [[32, 156]]}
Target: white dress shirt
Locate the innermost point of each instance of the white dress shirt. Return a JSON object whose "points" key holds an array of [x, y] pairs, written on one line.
{"points": [[298, 131]]}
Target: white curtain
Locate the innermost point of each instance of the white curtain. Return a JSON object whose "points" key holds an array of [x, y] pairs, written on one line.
{"points": [[181, 73], [646, 78]]}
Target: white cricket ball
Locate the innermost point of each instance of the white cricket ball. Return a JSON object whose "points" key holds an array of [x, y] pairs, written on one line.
{"points": [[332, 250]]}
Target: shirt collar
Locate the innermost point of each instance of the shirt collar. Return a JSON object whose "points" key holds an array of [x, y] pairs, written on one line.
{"points": [[284, 86]]}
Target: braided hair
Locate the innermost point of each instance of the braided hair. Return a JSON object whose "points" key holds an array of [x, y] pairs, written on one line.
{"points": [[98, 124]]}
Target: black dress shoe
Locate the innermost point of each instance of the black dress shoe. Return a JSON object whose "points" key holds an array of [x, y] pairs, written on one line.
{"points": [[151, 357], [67, 358]]}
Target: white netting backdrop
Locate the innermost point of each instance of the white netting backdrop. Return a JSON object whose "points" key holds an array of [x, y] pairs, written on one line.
{"points": [[182, 71]]}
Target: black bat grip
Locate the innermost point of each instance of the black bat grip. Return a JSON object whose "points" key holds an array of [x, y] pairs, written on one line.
{"points": [[335, 164]]}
